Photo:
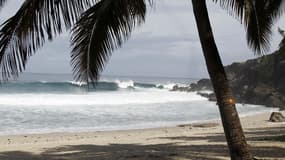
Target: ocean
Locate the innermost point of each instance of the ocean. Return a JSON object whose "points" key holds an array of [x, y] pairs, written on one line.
{"points": [[46, 103]]}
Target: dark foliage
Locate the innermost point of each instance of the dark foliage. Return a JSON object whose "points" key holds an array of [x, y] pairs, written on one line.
{"points": [[34, 23], [100, 30]]}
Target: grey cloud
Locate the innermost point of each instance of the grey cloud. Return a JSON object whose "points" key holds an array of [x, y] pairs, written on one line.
{"points": [[166, 45]]}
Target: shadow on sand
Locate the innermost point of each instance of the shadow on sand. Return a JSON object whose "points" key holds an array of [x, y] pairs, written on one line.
{"points": [[170, 151]]}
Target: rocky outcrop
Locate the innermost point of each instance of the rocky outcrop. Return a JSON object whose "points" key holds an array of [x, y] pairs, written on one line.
{"points": [[181, 89], [259, 81], [204, 84], [201, 85]]}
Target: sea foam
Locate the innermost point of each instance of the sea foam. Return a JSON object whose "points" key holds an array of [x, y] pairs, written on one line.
{"points": [[98, 98], [43, 107]]}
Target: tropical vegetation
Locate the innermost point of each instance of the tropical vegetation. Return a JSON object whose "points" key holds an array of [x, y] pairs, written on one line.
{"points": [[100, 26]]}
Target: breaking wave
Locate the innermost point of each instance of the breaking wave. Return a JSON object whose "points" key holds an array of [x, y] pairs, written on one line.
{"points": [[74, 87]]}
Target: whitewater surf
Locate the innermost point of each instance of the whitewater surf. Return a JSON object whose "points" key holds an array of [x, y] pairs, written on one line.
{"points": [[114, 104]]}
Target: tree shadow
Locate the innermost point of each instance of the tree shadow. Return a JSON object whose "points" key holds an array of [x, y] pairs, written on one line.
{"points": [[138, 152], [178, 149], [266, 134], [254, 135], [19, 155], [123, 152]]}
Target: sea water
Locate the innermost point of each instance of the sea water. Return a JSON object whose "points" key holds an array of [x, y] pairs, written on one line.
{"points": [[45, 103]]}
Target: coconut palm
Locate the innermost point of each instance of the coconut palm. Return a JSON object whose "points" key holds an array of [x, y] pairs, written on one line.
{"points": [[259, 16], [99, 27]]}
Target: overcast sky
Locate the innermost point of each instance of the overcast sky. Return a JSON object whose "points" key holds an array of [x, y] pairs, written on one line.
{"points": [[166, 45]]}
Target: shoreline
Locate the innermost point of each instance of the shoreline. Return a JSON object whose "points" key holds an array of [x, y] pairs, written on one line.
{"points": [[216, 120], [185, 141]]}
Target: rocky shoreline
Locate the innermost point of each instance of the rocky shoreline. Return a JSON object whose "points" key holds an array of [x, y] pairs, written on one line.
{"points": [[259, 81]]}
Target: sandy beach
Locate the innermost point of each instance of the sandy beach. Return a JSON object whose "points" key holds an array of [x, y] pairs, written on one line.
{"points": [[189, 141]]}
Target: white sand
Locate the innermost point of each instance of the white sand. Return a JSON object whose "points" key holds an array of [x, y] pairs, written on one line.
{"points": [[170, 143]]}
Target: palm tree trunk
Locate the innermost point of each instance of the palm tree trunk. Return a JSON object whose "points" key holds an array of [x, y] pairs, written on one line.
{"points": [[232, 127]]}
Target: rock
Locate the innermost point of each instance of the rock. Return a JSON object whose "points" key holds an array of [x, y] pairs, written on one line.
{"points": [[175, 88], [257, 81], [212, 97], [199, 125], [263, 90], [181, 89], [204, 84], [193, 87], [277, 117], [205, 125]]}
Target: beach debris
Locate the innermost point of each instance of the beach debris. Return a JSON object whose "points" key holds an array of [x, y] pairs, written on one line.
{"points": [[205, 125], [185, 125], [9, 141], [277, 117], [200, 125]]}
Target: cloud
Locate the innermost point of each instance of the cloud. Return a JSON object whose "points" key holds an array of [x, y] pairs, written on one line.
{"points": [[166, 45]]}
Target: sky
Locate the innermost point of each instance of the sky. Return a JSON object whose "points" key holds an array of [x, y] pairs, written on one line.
{"points": [[167, 45]]}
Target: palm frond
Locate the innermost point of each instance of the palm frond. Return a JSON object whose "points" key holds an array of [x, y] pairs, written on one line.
{"points": [[259, 19], [282, 33], [35, 22], [100, 30], [2, 3], [235, 7]]}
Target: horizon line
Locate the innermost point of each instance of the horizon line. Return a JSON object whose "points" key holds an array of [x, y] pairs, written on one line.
{"points": [[141, 76]]}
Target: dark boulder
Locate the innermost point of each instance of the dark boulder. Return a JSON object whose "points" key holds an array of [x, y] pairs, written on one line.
{"points": [[201, 85], [259, 81], [193, 87], [181, 89], [204, 84], [277, 117], [175, 88]]}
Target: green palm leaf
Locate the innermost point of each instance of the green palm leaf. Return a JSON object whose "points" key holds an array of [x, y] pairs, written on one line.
{"points": [[34, 23], [101, 29]]}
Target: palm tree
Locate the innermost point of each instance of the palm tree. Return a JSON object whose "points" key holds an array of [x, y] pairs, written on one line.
{"points": [[259, 17], [232, 126], [99, 27]]}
